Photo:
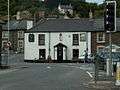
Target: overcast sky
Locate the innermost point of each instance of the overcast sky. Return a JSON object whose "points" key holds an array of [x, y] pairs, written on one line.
{"points": [[96, 1]]}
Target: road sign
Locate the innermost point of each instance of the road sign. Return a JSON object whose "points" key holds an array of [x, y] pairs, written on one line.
{"points": [[8, 44]]}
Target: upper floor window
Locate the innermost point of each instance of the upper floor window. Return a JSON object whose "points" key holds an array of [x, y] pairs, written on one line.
{"points": [[75, 39], [5, 34], [83, 37], [100, 37], [31, 38], [20, 34], [41, 39]]}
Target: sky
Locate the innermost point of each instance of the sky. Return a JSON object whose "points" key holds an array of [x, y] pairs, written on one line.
{"points": [[96, 1]]}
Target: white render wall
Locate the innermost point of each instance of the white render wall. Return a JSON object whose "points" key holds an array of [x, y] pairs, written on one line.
{"points": [[32, 48]]}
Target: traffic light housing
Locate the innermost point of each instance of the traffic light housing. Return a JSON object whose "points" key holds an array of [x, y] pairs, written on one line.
{"points": [[110, 16]]}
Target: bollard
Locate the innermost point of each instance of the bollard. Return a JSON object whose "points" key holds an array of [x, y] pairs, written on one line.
{"points": [[118, 74]]}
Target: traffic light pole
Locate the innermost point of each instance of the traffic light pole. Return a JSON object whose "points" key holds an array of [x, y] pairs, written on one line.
{"points": [[109, 61], [0, 46]]}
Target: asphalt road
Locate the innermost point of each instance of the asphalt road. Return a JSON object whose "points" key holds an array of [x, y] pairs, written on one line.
{"points": [[63, 76]]}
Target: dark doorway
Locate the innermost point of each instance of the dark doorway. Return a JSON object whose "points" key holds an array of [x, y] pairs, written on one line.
{"points": [[60, 52], [42, 53], [75, 53], [60, 47]]}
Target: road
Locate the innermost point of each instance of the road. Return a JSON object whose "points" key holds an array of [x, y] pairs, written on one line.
{"points": [[51, 76]]}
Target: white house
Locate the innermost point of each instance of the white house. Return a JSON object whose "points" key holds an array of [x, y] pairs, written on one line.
{"points": [[62, 39], [65, 8]]}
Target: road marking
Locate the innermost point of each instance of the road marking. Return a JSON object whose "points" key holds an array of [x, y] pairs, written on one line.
{"points": [[48, 67], [7, 71], [89, 74]]}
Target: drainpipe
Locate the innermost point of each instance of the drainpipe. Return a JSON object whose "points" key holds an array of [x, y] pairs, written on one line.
{"points": [[49, 42]]}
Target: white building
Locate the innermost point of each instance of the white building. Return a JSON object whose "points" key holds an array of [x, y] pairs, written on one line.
{"points": [[65, 8], [62, 39]]}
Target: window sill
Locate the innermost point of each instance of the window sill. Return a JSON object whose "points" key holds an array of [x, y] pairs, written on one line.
{"points": [[100, 41]]}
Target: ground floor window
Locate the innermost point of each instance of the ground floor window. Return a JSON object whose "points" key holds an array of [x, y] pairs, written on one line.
{"points": [[42, 53], [75, 53]]}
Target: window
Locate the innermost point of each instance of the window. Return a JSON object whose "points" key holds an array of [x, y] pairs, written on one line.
{"points": [[31, 38], [100, 37], [20, 43], [41, 39], [5, 34], [82, 37], [100, 48], [4, 44], [75, 39], [20, 34]]}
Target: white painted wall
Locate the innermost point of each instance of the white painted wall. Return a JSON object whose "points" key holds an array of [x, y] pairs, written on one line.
{"points": [[32, 48]]}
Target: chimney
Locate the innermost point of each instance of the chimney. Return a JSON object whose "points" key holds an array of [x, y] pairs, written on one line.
{"points": [[18, 15], [90, 14]]}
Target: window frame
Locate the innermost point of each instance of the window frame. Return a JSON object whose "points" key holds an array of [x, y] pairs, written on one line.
{"points": [[3, 34], [100, 47], [103, 38], [21, 44], [81, 38], [20, 34]]}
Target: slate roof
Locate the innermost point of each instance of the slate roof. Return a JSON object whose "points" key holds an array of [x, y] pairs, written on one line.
{"points": [[71, 25], [64, 25], [16, 25], [99, 24]]}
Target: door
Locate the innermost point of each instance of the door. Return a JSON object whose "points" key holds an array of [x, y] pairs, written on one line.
{"points": [[42, 53], [75, 53], [60, 53]]}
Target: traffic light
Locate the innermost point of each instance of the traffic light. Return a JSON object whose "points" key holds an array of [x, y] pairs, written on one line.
{"points": [[110, 16]]}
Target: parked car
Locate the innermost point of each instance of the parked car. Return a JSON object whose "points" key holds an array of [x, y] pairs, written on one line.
{"points": [[89, 58]]}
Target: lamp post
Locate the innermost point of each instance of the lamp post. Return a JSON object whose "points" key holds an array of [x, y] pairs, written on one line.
{"points": [[8, 29]]}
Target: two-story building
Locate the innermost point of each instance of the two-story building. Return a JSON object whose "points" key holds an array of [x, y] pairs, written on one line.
{"points": [[62, 39], [15, 34]]}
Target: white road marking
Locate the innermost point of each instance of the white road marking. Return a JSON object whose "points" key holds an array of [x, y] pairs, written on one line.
{"points": [[48, 67], [7, 71], [89, 74]]}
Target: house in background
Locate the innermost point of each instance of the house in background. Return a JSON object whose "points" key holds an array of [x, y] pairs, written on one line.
{"points": [[65, 8], [15, 35], [100, 38], [61, 39]]}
